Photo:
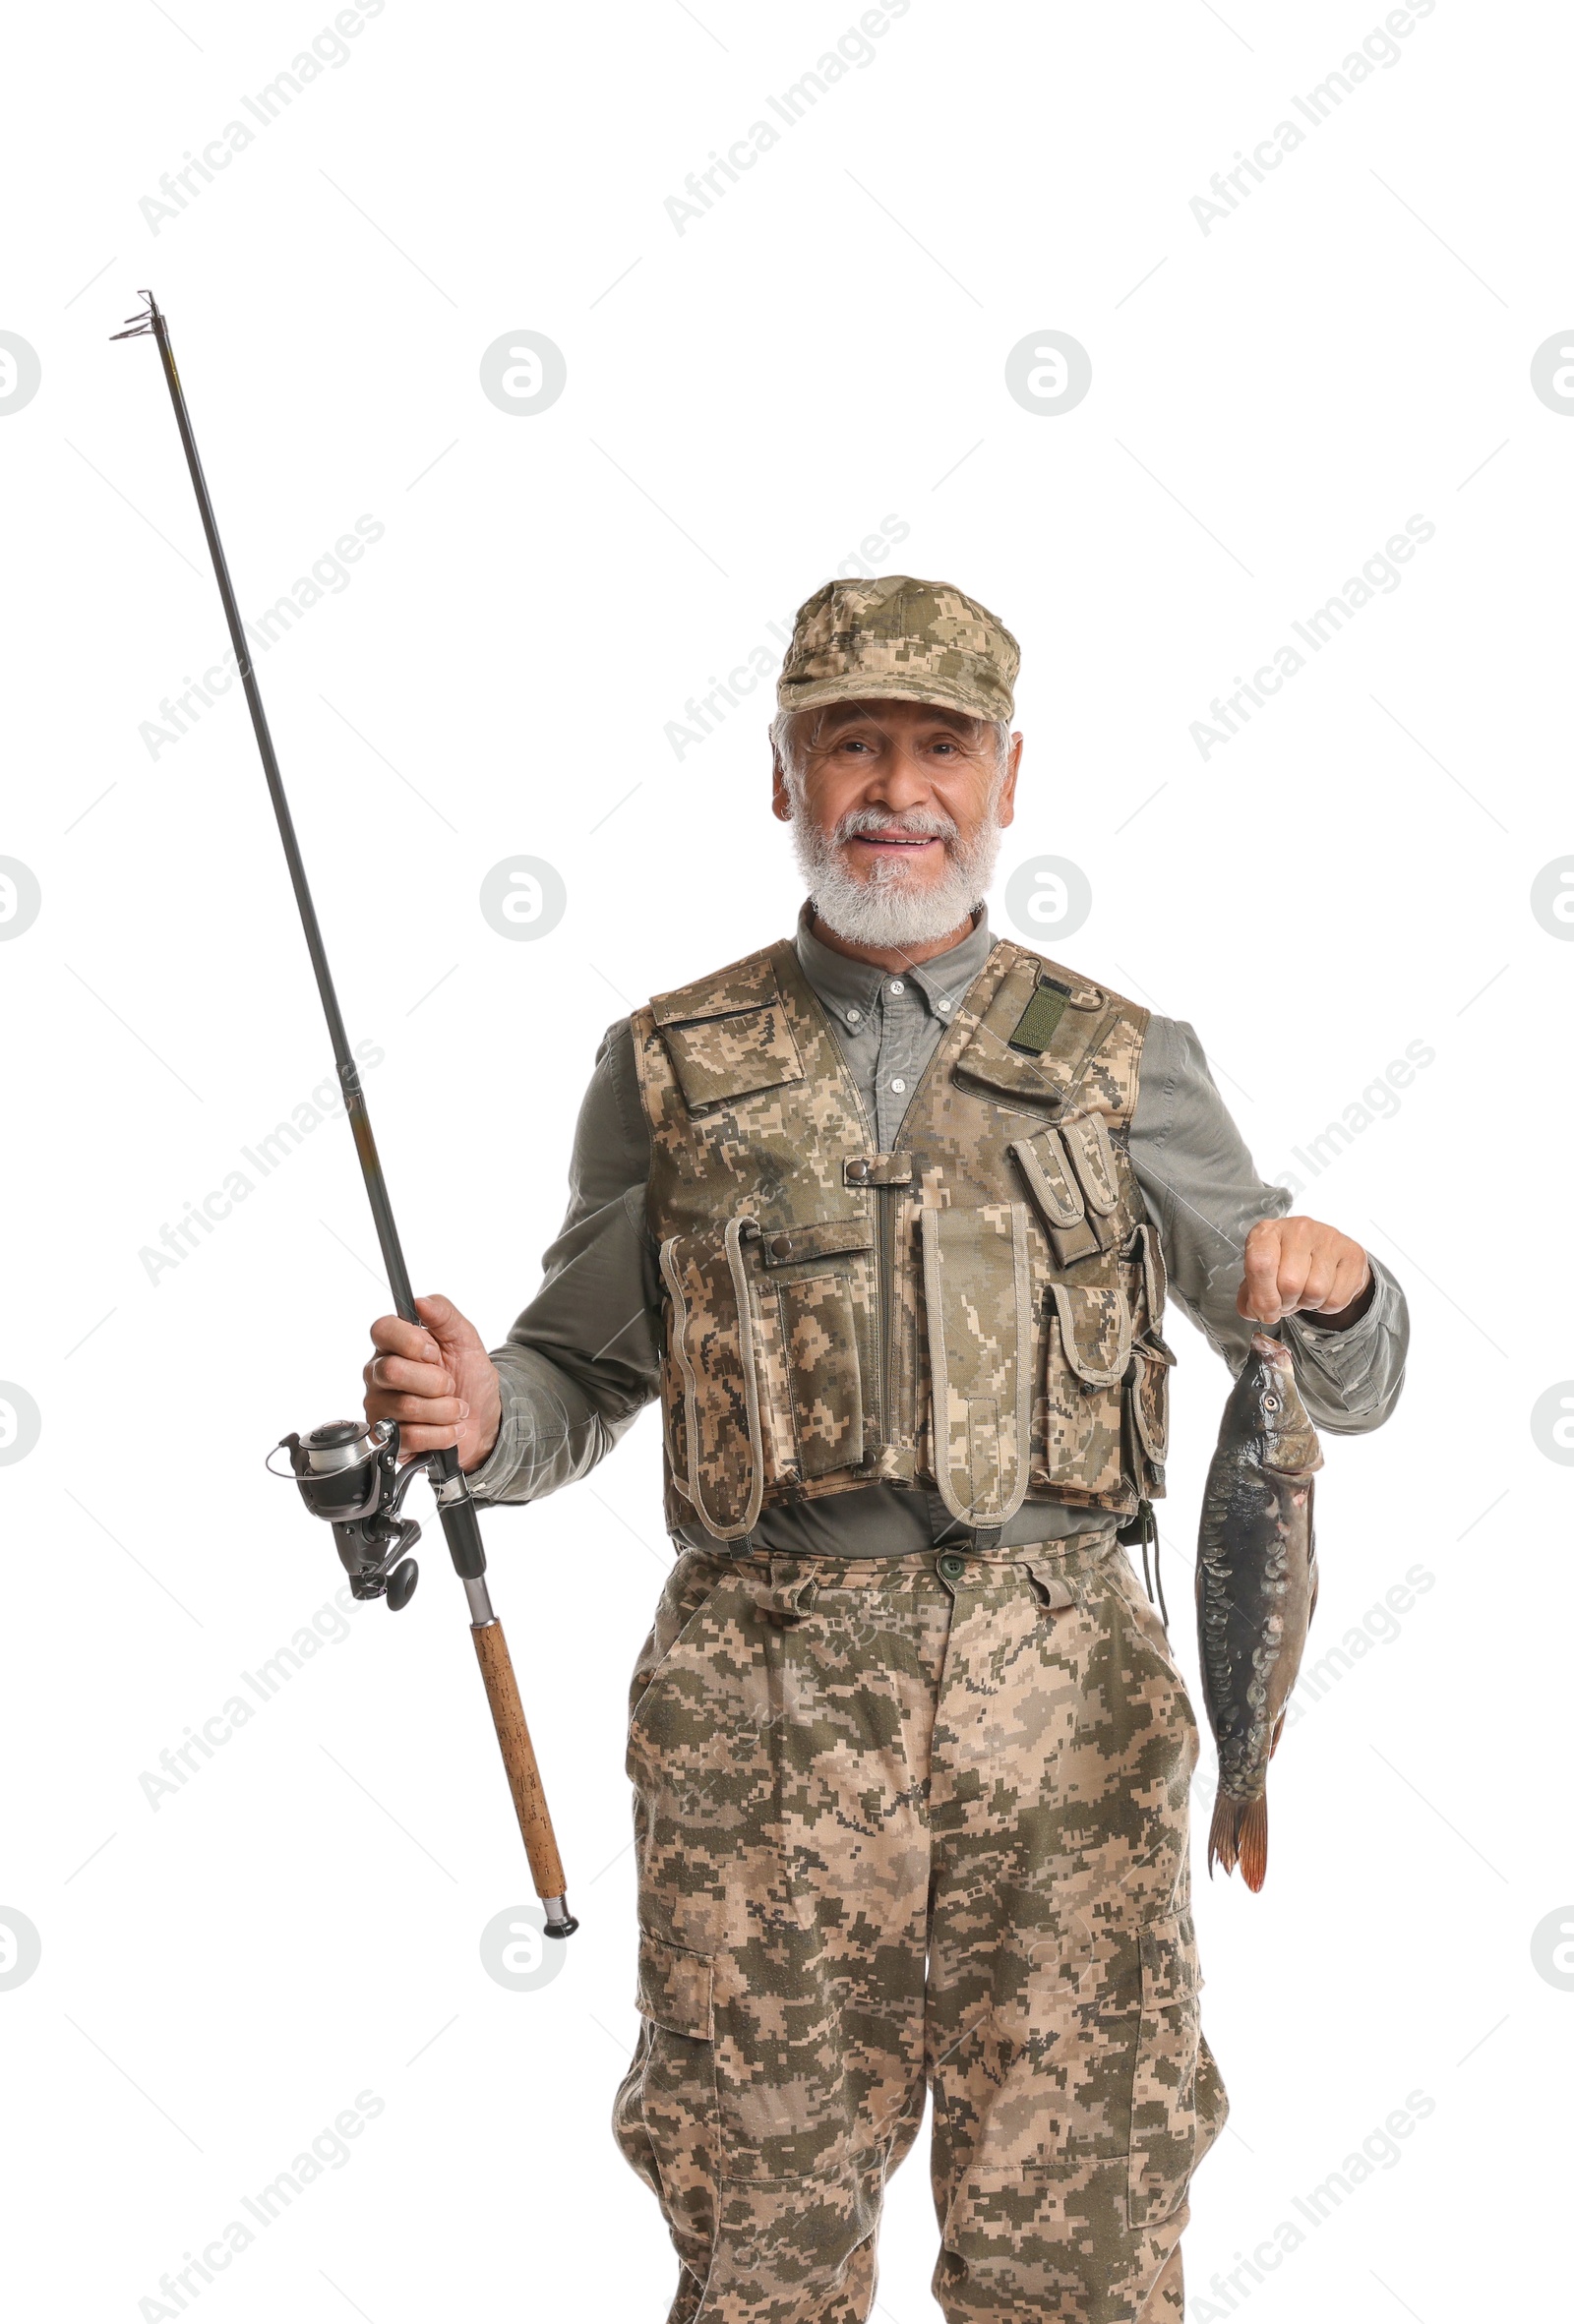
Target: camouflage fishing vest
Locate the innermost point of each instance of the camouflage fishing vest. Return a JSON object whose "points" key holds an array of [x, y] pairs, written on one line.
{"points": [[976, 1314]]}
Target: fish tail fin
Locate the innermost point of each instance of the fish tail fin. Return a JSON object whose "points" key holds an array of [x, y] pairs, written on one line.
{"points": [[1254, 1844], [1239, 1834]]}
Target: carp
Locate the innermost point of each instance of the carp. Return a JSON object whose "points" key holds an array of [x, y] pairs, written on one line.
{"points": [[1256, 1591]]}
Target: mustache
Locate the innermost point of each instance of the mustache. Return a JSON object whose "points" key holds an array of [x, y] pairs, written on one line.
{"points": [[916, 823]]}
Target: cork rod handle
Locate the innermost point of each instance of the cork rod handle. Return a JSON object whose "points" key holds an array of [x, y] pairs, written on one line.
{"points": [[518, 1759]]}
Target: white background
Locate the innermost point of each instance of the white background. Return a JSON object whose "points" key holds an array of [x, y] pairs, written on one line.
{"points": [[825, 348]]}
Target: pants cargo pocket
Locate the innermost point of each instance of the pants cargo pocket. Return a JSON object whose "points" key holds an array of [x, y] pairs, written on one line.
{"points": [[1169, 2130], [664, 2119]]}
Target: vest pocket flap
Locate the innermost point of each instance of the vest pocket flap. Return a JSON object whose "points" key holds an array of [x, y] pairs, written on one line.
{"points": [[823, 1240], [1147, 1247], [1087, 1142], [747, 985], [1095, 1330], [674, 1989], [1044, 1164], [720, 1058], [976, 1294], [1050, 1076]]}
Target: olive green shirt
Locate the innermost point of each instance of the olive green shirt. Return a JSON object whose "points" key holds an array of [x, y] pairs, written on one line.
{"points": [[583, 1358]]}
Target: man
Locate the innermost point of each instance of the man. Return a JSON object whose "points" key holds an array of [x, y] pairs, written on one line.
{"points": [[885, 1216]]}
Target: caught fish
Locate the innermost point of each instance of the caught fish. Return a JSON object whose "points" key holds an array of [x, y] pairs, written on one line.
{"points": [[1256, 1591]]}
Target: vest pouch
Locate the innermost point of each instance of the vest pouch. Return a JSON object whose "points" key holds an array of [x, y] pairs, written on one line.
{"points": [[711, 1337], [819, 1346], [1057, 1197], [1088, 1355], [1148, 1382], [976, 1302], [1087, 1142], [1149, 1393]]}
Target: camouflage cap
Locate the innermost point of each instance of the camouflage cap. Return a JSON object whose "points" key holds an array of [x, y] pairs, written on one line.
{"points": [[895, 638]]}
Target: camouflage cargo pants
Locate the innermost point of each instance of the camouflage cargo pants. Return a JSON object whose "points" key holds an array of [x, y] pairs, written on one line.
{"points": [[911, 1826]]}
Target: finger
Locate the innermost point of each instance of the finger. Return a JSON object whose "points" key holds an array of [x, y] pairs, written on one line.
{"points": [[1259, 1294], [444, 1413], [1317, 1283], [444, 1320], [394, 1337], [1351, 1278], [1359, 1279], [410, 1379], [414, 1441]]}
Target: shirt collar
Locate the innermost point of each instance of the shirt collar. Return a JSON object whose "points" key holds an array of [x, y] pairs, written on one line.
{"points": [[849, 988]]}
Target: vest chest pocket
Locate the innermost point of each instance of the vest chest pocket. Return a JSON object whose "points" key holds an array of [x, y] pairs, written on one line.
{"points": [[976, 1302], [819, 1353], [1088, 1353]]}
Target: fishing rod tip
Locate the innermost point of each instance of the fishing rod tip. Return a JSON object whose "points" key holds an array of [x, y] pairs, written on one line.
{"points": [[143, 322]]}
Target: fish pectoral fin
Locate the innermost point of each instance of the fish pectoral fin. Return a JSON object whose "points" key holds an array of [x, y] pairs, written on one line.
{"points": [[1278, 1730]]}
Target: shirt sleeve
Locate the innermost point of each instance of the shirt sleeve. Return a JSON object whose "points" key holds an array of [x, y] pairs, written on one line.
{"points": [[1203, 1194], [583, 1358]]}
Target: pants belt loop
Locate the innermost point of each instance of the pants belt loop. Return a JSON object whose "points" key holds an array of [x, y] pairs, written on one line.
{"points": [[790, 1595], [1050, 1584]]}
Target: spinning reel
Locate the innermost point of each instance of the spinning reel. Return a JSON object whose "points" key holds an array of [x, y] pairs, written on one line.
{"points": [[348, 1471]]}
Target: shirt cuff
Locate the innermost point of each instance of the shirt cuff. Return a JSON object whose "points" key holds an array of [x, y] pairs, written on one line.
{"points": [[512, 1451], [1347, 1354]]}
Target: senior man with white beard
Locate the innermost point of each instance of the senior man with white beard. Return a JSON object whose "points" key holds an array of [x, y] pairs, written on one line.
{"points": [[885, 1214]]}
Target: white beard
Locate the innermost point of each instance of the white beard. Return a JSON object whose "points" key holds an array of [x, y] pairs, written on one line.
{"points": [[888, 911]]}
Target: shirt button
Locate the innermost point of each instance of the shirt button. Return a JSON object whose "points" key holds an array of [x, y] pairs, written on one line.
{"points": [[896, 985], [943, 1004], [855, 1016], [898, 1085]]}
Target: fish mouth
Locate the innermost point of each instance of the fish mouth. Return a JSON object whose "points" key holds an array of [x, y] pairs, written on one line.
{"points": [[1275, 1351]]}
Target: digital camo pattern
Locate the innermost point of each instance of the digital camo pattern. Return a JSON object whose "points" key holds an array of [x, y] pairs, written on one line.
{"points": [[713, 1338], [898, 638], [752, 1049], [818, 1746], [980, 1345], [820, 1353], [780, 1142]]}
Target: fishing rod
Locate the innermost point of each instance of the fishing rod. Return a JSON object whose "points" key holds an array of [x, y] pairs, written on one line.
{"points": [[348, 1470]]}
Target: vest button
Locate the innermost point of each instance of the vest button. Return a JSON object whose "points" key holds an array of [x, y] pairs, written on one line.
{"points": [[952, 1566], [858, 1172], [782, 1247]]}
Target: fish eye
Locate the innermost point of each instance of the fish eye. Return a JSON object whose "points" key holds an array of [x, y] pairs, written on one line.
{"points": [[1270, 1403]]}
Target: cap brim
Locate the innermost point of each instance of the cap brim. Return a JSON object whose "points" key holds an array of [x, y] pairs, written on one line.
{"points": [[818, 693]]}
